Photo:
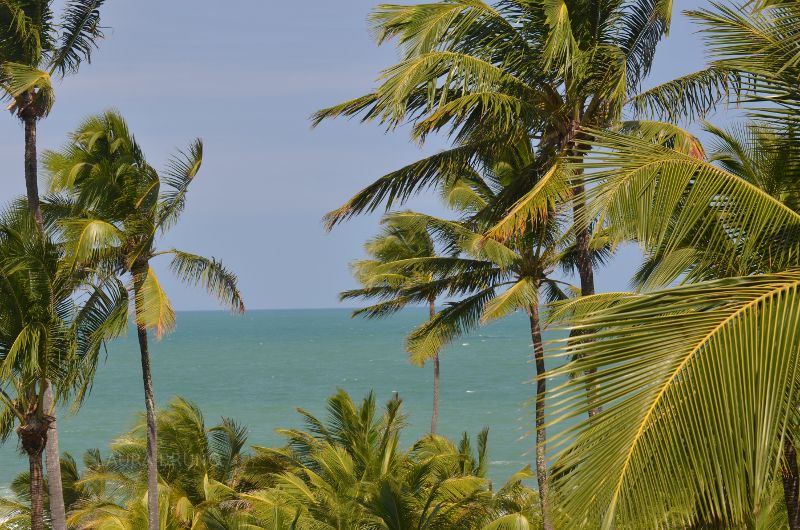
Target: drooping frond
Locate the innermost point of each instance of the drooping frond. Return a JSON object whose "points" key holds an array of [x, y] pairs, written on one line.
{"points": [[398, 186], [523, 295], [153, 308], [688, 97], [455, 320], [211, 274], [552, 190]]}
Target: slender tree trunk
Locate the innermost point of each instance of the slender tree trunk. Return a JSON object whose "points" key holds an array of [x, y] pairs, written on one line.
{"points": [[586, 275], [791, 484], [541, 431], [31, 163], [53, 454], [436, 369], [58, 516], [33, 439], [37, 491], [150, 407]]}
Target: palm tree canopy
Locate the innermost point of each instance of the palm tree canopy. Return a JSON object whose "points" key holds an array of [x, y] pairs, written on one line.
{"points": [[116, 206]]}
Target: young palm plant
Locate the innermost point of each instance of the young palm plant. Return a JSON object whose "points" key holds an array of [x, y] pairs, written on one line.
{"points": [[201, 469], [33, 49], [349, 472], [121, 207], [45, 337], [395, 243]]}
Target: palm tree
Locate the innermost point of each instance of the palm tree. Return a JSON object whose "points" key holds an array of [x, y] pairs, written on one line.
{"points": [[45, 337], [493, 76], [488, 278], [701, 402], [201, 468], [122, 204], [349, 472], [395, 244], [34, 48]]}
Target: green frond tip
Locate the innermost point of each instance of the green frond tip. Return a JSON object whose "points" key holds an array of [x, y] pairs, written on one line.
{"points": [[211, 274]]}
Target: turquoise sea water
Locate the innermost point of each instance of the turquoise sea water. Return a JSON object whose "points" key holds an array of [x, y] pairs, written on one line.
{"points": [[258, 368]]}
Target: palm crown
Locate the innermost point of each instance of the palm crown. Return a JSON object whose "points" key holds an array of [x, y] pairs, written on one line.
{"points": [[125, 205]]}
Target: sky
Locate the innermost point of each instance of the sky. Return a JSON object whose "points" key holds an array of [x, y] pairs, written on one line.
{"points": [[246, 80]]}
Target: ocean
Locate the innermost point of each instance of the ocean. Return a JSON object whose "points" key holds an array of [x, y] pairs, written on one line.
{"points": [[260, 367]]}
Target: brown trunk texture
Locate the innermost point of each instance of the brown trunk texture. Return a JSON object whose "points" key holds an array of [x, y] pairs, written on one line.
{"points": [[139, 274], [31, 166], [58, 515], [541, 432], [586, 275], [33, 439]]}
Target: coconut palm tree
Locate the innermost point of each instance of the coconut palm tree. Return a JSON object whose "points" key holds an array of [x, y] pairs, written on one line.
{"points": [[394, 244], [121, 206], [45, 336], [725, 228], [493, 76], [34, 48], [488, 278]]}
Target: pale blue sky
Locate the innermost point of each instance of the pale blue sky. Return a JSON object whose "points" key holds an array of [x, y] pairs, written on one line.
{"points": [[245, 76]]}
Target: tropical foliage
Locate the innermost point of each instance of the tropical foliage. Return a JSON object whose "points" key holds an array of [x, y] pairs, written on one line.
{"points": [[46, 336], [347, 471], [697, 371], [115, 206]]}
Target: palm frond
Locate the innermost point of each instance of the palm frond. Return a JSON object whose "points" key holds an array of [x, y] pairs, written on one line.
{"points": [[211, 274]]}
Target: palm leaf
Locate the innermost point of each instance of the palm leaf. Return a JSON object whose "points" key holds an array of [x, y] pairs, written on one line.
{"points": [[211, 274], [153, 308], [698, 385]]}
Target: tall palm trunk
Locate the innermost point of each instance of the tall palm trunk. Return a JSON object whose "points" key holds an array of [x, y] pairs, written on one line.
{"points": [[53, 454], [436, 368], [33, 438], [55, 490], [29, 117], [791, 484], [541, 431], [139, 274], [586, 275]]}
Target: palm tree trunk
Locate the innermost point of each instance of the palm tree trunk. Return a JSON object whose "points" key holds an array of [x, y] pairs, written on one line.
{"points": [[53, 460], [150, 407], [33, 439], [58, 516], [791, 484], [541, 431], [37, 491], [436, 369], [586, 275], [31, 168]]}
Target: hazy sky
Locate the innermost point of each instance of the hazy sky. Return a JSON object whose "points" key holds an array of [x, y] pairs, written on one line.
{"points": [[246, 80]]}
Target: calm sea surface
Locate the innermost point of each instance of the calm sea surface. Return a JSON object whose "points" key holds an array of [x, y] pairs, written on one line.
{"points": [[258, 368]]}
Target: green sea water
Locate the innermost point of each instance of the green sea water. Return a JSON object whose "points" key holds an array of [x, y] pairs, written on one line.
{"points": [[259, 367]]}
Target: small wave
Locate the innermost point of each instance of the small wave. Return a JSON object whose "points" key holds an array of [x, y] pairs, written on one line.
{"points": [[470, 391], [465, 344]]}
